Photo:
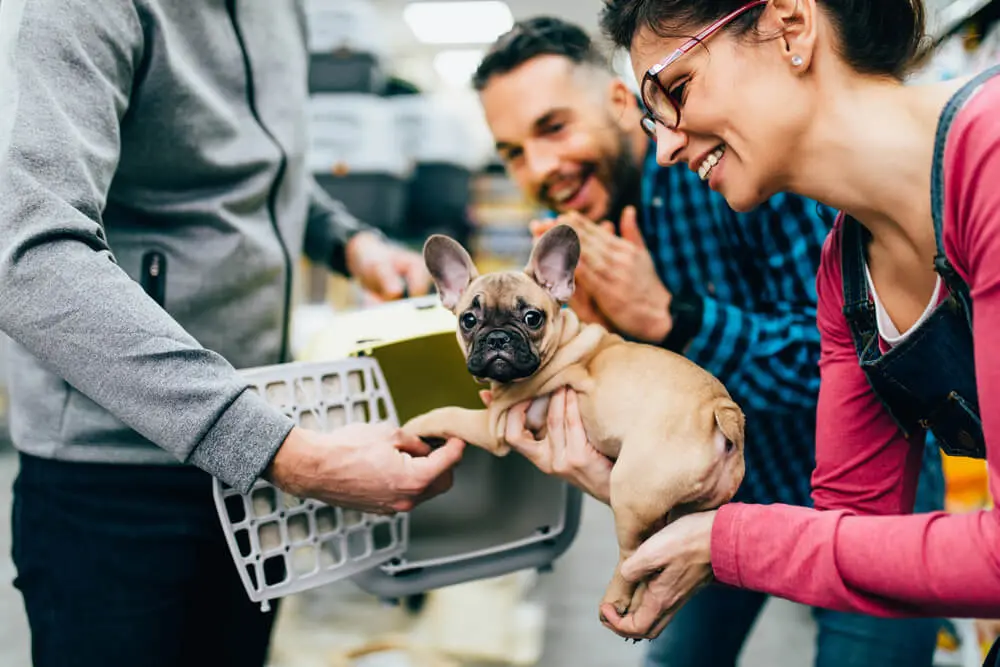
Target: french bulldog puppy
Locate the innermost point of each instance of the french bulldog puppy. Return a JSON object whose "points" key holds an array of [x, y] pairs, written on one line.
{"points": [[673, 431]]}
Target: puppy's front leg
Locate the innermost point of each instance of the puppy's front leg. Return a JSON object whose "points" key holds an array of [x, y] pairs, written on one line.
{"points": [[472, 426]]}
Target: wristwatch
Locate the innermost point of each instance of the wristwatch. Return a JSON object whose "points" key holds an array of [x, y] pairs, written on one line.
{"points": [[686, 313]]}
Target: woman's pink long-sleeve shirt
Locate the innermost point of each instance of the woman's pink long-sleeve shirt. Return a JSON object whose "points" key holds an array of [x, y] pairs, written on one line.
{"points": [[861, 550]]}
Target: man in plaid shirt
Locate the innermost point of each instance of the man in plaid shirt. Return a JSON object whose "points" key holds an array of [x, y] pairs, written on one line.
{"points": [[734, 292]]}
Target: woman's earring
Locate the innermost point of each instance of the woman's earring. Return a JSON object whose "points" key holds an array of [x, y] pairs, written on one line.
{"points": [[797, 61]]}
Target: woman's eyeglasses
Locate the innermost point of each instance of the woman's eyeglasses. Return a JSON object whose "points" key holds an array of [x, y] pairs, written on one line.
{"points": [[661, 106]]}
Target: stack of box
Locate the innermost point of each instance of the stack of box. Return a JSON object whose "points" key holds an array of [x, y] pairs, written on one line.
{"points": [[355, 153], [347, 47], [438, 141]]}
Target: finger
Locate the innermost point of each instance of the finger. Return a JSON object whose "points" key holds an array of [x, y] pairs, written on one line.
{"points": [[440, 485], [388, 283], [418, 280], [413, 446], [539, 227], [608, 227], [637, 623], [443, 458], [629, 227], [486, 396], [557, 411], [516, 431], [652, 555]]}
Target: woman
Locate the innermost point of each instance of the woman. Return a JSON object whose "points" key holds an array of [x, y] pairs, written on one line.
{"points": [[807, 96]]}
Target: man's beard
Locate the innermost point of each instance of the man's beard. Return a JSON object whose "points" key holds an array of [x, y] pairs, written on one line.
{"points": [[624, 180], [619, 174]]}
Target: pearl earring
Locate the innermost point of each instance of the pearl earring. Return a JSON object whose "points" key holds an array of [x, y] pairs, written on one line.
{"points": [[797, 61]]}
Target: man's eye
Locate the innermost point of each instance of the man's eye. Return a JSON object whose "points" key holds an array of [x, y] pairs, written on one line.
{"points": [[554, 128], [511, 155], [469, 321]]}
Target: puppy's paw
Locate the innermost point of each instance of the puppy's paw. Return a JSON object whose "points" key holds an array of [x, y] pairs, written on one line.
{"points": [[620, 595]]}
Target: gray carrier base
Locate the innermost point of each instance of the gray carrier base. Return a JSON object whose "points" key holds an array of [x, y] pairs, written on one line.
{"points": [[501, 515]]}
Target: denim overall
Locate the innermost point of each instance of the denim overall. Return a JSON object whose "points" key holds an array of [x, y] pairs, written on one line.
{"points": [[927, 381]]}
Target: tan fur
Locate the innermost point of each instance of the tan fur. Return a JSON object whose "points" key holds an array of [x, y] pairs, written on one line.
{"points": [[655, 413]]}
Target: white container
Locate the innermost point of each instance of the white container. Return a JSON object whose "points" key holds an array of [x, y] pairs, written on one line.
{"points": [[351, 25], [355, 133], [387, 364]]}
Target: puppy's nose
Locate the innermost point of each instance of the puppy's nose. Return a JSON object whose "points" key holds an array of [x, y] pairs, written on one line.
{"points": [[496, 340]]}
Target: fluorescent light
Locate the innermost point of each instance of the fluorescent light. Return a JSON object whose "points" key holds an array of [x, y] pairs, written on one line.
{"points": [[464, 22], [456, 66]]}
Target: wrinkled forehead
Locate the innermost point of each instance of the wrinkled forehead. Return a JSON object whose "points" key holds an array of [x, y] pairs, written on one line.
{"points": [[505, 292]]}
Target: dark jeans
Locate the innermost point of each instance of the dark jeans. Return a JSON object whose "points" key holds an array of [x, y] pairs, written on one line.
{"points": [[126, 566]]}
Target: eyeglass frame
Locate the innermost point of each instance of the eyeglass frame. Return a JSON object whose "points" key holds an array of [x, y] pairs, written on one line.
{"points": [[652, 74]]}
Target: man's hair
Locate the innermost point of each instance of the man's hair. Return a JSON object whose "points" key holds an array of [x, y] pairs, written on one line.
{"points": [[534, 37]]}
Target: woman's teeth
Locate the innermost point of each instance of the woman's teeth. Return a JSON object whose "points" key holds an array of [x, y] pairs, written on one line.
{"points": [[713, 159]]}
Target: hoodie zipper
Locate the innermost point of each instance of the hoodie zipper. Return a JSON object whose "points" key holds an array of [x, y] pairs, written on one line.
{"points": [[272, 196]]}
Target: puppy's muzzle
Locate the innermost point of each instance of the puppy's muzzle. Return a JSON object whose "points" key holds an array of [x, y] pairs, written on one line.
{"points": [[502, 355]]}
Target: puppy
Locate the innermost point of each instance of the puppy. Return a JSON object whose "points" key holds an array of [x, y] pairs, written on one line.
{"points": [[673, 431]]}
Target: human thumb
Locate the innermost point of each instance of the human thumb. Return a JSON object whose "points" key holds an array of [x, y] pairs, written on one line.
{"points": [[388, 283], [630, 227]]}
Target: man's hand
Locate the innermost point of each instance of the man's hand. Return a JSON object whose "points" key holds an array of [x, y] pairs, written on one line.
{"points": [[385, 270], [626, 285], [373, 468], [565, 451], [675, 563]]}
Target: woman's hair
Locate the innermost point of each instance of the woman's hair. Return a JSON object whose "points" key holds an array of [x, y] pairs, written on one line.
{"points": [[880, 37]]}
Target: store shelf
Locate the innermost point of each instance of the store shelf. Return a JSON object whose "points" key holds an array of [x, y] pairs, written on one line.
{"points": [[948, 16]]}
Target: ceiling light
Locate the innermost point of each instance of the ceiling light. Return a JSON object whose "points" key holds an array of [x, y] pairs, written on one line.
{"points": [[465, 22], [456, 66]]}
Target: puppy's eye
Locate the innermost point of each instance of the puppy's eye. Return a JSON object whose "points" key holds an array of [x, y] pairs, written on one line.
{"points": [[469, 321], [533, 319]]}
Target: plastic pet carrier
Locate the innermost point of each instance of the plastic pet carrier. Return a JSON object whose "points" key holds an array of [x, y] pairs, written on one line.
{"points": [[356, 157], [390, 363]]}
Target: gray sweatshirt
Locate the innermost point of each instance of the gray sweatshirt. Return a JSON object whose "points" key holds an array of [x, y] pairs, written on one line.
{"points": [[153, 199]]}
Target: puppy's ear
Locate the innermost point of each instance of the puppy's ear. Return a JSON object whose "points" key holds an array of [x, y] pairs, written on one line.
{"points": [[553, 262], [451, 268]]}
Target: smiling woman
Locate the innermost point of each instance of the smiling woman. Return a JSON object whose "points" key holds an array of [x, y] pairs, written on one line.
{"points": [[807, 96], [711, 51]]}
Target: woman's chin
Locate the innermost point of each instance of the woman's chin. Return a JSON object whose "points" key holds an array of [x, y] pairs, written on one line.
{"points": [[742, 199]]}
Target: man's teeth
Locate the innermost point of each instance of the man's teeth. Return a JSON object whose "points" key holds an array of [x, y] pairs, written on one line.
{"points": [[713, 159], [563, 195]]}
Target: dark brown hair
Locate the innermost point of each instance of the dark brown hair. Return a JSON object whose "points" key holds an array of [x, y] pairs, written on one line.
{"points": [[879, 37], [538, 36]]}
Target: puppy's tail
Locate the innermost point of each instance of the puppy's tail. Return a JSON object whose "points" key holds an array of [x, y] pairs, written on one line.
{"points": [[730, 420]]}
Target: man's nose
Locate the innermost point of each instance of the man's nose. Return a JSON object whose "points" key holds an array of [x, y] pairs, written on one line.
{"points": [[668, 145], [541, 163], [498, 339]]}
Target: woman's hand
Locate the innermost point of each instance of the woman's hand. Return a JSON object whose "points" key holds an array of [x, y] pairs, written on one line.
{"points": [[565, 451], [675, 563]]}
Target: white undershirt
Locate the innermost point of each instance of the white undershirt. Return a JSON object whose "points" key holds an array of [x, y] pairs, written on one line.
{"points": [[886, 329]]}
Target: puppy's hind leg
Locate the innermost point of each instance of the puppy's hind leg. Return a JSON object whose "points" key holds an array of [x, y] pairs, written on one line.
{"points": [[641, 498]]}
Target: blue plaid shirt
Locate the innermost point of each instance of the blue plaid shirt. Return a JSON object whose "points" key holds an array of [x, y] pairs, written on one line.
{"points": [[756, 275]]}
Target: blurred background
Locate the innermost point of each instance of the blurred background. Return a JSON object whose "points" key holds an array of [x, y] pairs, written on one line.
{"points": [[398, 136]]}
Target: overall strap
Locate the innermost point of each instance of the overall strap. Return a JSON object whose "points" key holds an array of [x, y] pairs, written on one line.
{"points": [[857, 305], [955, 104]]}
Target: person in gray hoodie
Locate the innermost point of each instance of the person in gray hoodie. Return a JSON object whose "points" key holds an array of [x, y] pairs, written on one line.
{"points": [[154, 197]]}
